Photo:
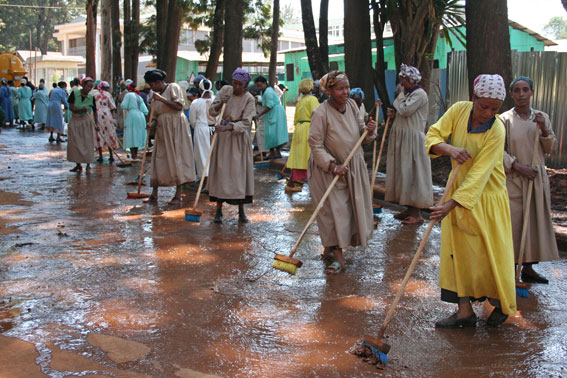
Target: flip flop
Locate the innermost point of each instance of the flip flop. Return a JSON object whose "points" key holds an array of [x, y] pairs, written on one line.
{"points": [[412, 220], [402, 215], [175, 201], [151, 199], [334, 268]]}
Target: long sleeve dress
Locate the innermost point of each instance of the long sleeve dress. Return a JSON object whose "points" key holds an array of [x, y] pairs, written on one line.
{"points": [[231, 175], [275, 122], [540, 236], [54, 123], [135, 123], [199, 117], [6, 102], [346, 217], [299, 151], [477, 256], [24, 103], [408, 168], [41, 103], [172, 158], [106, 135]]}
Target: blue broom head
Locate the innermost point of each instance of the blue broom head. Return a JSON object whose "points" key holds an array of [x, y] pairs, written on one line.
{"points": [[192, 218], [521, 292], [263, 164], [377, 210], [377, 352], [280, 176]]}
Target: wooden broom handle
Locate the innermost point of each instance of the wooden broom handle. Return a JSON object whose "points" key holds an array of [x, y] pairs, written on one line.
{"points": [[375, 171], [208, 158], [527, 207], [145, 151], [329, 189], [101, 135], [416, 257]]}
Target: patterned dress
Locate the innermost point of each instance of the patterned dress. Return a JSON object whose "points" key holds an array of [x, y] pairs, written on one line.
{"points": [[106, 123]]}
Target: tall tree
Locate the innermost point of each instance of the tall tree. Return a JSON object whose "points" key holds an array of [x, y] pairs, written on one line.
{"points": [[131, 38], [324, 33], [91, 8], [358, 58], [116, 43], [380, 16], [161, 22], [488, 41], [233, 28], [217, 39], [275, 42], [316, 65], [106, 40]]}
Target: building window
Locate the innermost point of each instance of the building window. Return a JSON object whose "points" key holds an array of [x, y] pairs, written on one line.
{"points": [[289, 72], [334, 66], [335, 31]]}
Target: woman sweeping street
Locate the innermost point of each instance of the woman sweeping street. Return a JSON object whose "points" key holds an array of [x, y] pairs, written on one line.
{"points": [[299, 151], [275, 123], [522, 124], [231, 176], [346, 219], [24, 103], [477, 254], [54, 123], [106, 135], [80, 144], [172, 157], [41, 102], [200, 121], [408, 169], [135, 122]]}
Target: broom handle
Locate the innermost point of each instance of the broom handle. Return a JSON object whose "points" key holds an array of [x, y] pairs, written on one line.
{"points": [[322, 202], [527, 210], [208, 158], [145, 151], [375, 143], [416, 257], [103, 137], [375, 171]]}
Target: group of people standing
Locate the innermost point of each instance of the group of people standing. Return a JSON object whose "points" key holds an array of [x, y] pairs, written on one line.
{"points": [[17, 103]]}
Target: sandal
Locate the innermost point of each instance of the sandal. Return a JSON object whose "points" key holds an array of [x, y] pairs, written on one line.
{"points": [[175, 201], [328, 257], [78, 168], [151, 199], [402, 215], [334, 268], [412, 220]]}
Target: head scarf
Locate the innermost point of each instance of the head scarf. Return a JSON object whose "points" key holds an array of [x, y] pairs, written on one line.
{"points": [[522, 78], [490, 86], [202, 85], [198, 79], [23, 81], [41, 86], [305, 86], [357, 91], [129, 82], [103, 85], [4, 81], [85, 79], [242, 75], [411, 73], [154, 75], [132, 87], [330, 80], [96, 83]]}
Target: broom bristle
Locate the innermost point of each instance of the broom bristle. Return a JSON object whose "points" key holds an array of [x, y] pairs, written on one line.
{"points": [[285, 266], [521, 292]]}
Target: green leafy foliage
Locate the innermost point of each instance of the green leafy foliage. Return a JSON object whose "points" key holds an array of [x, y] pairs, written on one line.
{"points": [[556, 27]]}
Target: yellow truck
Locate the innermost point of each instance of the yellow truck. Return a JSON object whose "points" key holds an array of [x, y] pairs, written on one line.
{"points": [[11, 67]]}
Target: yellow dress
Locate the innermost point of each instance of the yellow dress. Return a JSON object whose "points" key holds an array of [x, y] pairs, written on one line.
{"points": [[477, 255], [299, 151]]}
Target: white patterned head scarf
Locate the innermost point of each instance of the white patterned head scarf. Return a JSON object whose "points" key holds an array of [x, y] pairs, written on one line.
{"points": [[410, 73], [490, 86], [330, 80]]}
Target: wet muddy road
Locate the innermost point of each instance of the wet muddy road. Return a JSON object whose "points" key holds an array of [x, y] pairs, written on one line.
{"points": [[93, 284]]}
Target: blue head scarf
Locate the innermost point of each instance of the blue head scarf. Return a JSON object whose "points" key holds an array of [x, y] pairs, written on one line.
{"points": [[357, 91]]}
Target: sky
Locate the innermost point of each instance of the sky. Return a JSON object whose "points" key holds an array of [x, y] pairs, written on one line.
{"points": [[533, 14]]}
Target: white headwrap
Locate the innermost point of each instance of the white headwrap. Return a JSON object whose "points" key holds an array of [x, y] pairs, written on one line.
{"points": [[202, 86], [128, 82], [23, 81], [410, 72], [490, 86]]}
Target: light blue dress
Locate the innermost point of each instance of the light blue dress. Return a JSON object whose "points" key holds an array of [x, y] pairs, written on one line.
{"points": [[6, 99], [135, 122], [54, 114], [24, 103], [275, 121], [41, 102]]}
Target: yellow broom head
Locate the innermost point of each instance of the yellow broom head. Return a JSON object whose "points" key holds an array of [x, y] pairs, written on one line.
{"points": [[284, 266]]}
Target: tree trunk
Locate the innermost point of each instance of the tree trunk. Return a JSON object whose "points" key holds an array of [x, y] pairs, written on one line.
{"points": [[313, 53], [106, 45], [324, 33], [175, 13], [274, 46], [358, 58], [217, 41], [233, 39], [91, 8], [380, 20], [488, 41], [127, 39], [135, 31], [116, 43], [161, 26], [426, 66]]}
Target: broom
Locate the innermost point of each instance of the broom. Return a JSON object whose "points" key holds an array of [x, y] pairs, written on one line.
{"points": [[377, 209], [288, 263], [138, 195], [522, 287], [281, 174], [122, 164], [261, 162], [194, 215], [378, 347]]}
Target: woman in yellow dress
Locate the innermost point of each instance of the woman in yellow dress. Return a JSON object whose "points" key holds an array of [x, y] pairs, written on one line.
{"points": [[477, 255], [299, 151]]}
